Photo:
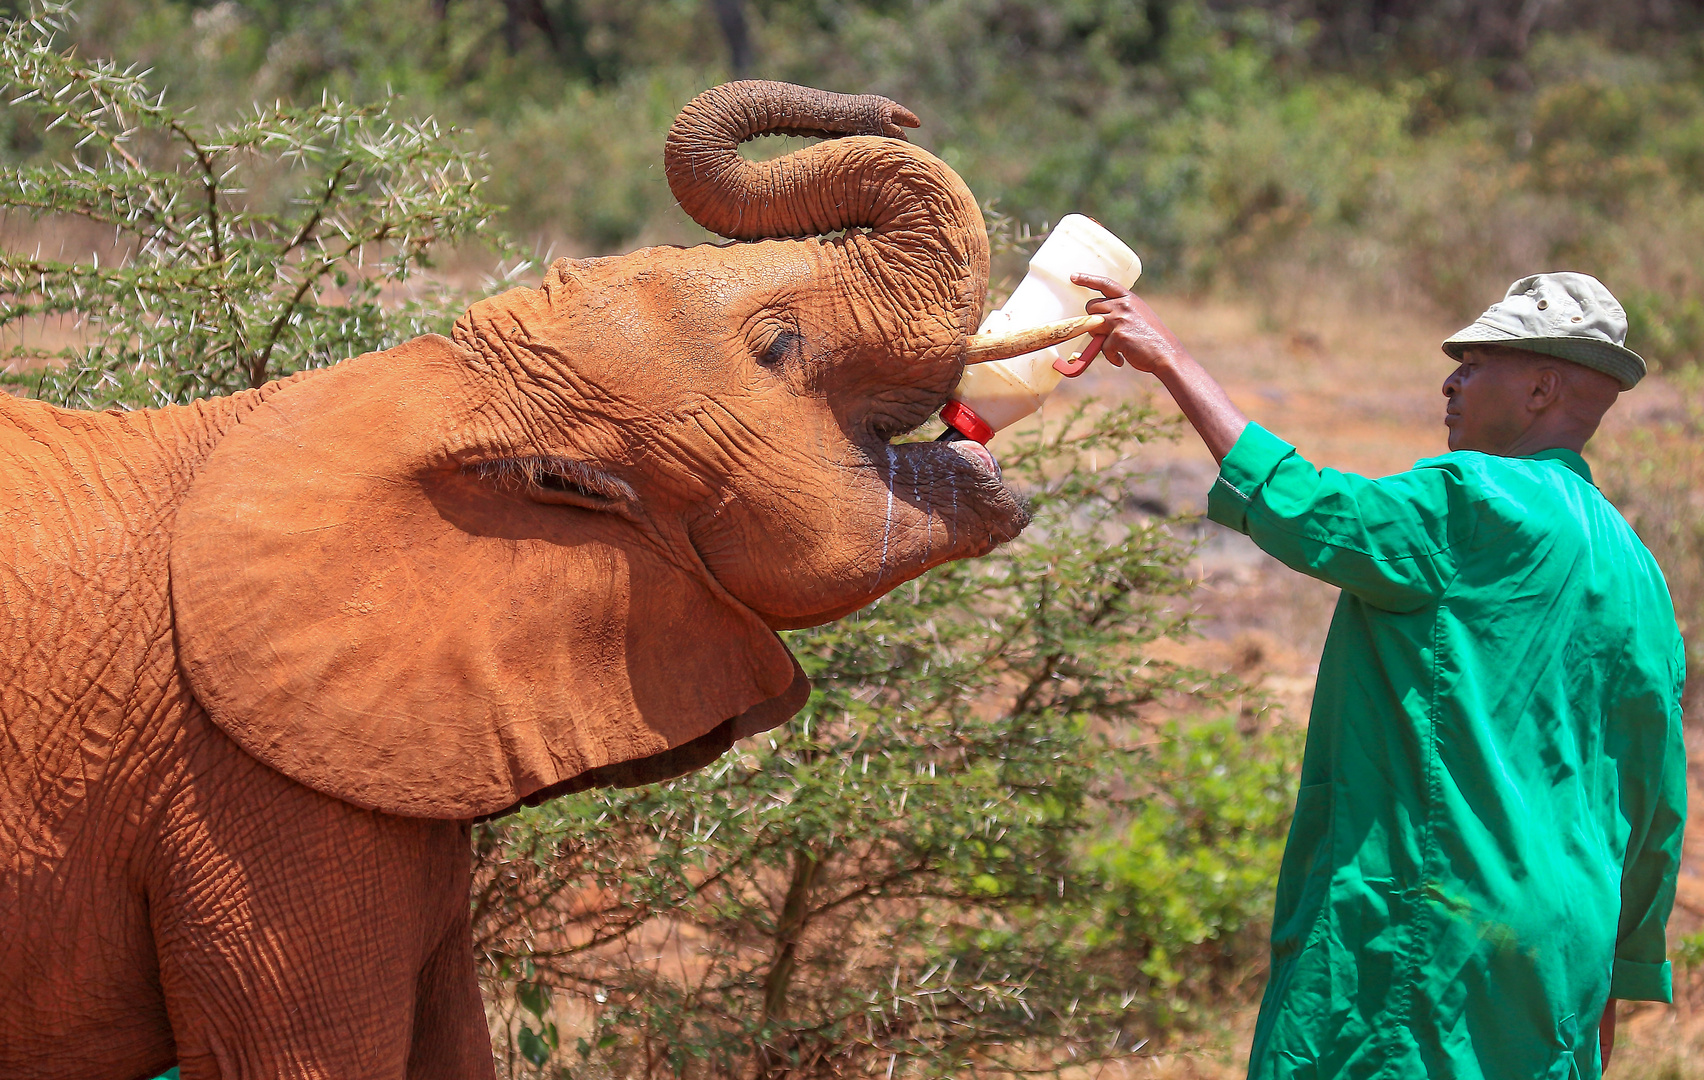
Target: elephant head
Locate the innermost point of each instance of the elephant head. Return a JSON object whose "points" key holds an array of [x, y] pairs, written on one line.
{"points": [[553, 551]]}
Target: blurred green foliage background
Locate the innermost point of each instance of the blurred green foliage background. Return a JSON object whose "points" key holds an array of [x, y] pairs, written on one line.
{"points": [[1430, 147], [1116, 870]]}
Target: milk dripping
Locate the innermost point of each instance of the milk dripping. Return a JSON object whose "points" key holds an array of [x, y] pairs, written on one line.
{"points": [[995, 395]]}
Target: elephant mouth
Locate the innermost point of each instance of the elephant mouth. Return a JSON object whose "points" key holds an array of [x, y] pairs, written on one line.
{"points": [[979, 454], [959, 486], [911, 506]]}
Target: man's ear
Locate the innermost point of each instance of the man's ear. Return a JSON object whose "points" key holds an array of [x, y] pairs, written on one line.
{"points": [[373, 620], [1547, 386]]}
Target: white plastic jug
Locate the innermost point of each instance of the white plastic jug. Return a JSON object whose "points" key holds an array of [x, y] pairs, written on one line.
{"points": [[1000, 393]]}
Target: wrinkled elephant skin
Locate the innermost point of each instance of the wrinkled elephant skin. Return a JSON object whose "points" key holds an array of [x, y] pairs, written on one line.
{"points": [[267, 657]]}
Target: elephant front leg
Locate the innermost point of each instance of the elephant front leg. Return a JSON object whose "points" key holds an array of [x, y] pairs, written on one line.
{"points": [[451, 1040], [302, 937], [432, 1029]]}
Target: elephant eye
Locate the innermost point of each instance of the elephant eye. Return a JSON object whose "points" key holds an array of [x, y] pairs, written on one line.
{"points": [[552, 479], [780, 347], [555, 481]]}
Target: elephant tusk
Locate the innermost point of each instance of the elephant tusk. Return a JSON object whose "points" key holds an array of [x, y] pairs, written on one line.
{"points": [[985, 347]]}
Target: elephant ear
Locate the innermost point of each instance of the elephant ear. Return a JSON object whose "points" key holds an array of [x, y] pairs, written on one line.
{"points": [[370, 618]]}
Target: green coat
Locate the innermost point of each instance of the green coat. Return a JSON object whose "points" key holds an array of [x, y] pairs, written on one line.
{"points": [[1488, 830]]}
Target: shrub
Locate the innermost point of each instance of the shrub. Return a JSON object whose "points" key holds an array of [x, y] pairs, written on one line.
{"points": [[1188, 874], [979, 847], [239, 253]]}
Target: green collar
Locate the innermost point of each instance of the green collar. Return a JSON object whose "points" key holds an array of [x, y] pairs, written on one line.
{"points": [[1568, 458]]}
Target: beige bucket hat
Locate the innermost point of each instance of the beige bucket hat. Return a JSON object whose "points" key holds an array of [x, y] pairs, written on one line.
{"points": [[1566, 315]]}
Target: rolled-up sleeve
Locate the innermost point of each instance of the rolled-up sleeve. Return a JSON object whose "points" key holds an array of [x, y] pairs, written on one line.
{"points": [[1387, 541]]}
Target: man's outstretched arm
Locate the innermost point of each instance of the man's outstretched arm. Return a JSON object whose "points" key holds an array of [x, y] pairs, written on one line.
{"points": [[1387, 541], [1141, 340]]}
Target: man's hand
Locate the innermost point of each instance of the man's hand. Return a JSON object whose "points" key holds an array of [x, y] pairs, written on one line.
{"points": [[1139, 338]]}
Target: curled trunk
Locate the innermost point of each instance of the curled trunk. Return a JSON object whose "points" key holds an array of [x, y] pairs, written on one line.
{"points": [[924, 224]]}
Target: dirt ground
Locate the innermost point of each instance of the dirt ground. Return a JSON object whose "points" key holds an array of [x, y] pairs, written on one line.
{"points": [[1358, 390]]}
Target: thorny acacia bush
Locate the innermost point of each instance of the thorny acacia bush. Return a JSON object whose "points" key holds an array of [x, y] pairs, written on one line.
{"points": [[979, 849], [231, 255]]}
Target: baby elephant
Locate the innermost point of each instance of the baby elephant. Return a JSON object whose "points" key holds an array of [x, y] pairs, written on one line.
{"points": [[267, 656]]}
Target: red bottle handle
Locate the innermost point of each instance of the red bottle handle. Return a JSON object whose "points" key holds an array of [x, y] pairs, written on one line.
{"points": [[1071, 367]]}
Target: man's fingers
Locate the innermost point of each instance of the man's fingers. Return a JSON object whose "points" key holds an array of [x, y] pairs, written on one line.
{"points": [[1095, 348], [1113, 356], [1105, 285]]}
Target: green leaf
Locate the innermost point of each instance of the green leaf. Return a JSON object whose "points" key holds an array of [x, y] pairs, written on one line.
{"points": [[534, 1046], [534, 998]]}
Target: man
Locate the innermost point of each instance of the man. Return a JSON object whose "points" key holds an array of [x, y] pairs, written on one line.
{"points": [[1486, 840]]}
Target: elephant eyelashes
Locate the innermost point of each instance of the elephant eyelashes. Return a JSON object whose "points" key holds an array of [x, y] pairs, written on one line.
{"points": [[552, 479], [780, 347]]}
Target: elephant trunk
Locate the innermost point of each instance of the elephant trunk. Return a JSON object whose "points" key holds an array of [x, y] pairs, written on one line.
{"points": [[922, 220]]}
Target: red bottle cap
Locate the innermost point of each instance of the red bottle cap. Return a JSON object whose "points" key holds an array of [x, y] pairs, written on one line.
{"points": [[959, 416]]}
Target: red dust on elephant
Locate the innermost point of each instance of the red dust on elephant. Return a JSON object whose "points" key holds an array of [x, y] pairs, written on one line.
{"points": [[266, 657]]}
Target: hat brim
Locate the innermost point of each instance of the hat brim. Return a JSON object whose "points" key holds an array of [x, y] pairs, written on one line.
{"points": [[1618, 362]]}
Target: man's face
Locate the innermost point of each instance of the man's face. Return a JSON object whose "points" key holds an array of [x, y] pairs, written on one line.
{"points": [[1488, 400]]}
